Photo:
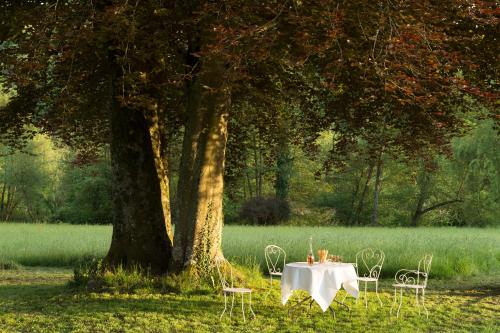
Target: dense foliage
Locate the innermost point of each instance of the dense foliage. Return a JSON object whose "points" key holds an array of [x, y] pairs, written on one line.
{"points": [[52, 184], [44, 183], [383, 77]]}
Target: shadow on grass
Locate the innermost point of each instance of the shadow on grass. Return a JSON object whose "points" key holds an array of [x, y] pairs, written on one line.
{"points": [[199, 312], [59, 299]]}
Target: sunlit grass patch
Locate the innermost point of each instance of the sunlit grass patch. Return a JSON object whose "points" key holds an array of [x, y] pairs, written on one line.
{"points": [[38, 305]]}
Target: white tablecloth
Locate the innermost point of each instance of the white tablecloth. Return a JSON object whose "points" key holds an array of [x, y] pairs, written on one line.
{"points": [[321, 281]]}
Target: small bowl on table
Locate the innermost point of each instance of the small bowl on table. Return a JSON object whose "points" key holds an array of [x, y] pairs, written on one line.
{"points": [[335, 258]]}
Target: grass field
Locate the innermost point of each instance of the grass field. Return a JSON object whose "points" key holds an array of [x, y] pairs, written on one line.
{"points": [[39, 300], [457, 252]]}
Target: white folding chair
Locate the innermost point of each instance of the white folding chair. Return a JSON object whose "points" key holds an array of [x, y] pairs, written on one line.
{"points": [[413, 279], [225, 272]]}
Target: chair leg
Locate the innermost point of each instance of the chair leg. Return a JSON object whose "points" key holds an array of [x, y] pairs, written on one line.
{"points": [[232, 305], [243, 306], [333, 312], [225, 306], [270, 287], [400, 301], [394, 302], [423, 303], [311, 303], [366, 298], [250, 304], [345, 296], [416, 300], [376, 291]]}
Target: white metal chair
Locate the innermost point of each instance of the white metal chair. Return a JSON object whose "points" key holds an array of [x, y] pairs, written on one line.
{"points": [[275, 256], [225, 272], [368, 266], [413, 279]]}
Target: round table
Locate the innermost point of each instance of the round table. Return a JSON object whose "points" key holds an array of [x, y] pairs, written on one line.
{"points": [[321, 281]]}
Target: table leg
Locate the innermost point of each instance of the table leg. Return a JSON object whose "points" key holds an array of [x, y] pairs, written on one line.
{"points": [[343, 304], [311, 301], [302, 301], [333, 312]]}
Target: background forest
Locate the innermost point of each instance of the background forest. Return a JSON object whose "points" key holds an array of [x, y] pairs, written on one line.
{"points": [[277, 184]]}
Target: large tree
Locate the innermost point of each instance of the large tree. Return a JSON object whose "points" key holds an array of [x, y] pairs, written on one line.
{"points": [[131, 73]]}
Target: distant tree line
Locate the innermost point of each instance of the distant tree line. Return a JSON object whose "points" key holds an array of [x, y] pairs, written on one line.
{"points": [[43, 183], [46, 183]]}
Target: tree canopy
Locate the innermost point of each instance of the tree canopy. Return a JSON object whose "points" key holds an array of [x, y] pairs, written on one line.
{"points": [[136, 73]]}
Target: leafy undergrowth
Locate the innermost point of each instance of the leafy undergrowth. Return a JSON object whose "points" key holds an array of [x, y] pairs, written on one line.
{"points": [[92, 275], [41, 300]]}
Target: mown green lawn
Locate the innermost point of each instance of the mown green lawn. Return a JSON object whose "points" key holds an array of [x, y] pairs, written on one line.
{"points": [[40, 300]]}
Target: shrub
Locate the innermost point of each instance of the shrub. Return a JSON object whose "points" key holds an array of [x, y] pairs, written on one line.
{"points": [[231, 210], [265, 211], [87, 272], [9, 265]]}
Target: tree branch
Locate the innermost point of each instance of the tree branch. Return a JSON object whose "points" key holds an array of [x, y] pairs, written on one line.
{"points": [[444, 203]]}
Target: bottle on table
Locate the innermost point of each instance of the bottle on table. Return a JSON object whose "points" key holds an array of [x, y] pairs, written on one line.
{"points": [[310, 254]]}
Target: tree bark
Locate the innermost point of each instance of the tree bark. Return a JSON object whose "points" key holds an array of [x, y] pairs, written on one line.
{"points": [[248, 182], [141, 215], [424, 182], [353, 197], [363, 194], [2, 201], [284, 164], [258, 169], [198, 235], [11, 204], [376, 191], [423, 194], [29, 207], [418, 214]]}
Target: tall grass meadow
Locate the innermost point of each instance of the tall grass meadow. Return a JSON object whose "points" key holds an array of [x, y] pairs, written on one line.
{"points": [[458, 252]]}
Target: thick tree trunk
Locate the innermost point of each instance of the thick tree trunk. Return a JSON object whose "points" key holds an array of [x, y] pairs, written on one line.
{"points": [[376, 191], [198, 234], [141, 219]]}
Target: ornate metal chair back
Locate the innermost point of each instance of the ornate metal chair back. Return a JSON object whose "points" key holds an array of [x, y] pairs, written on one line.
{"points": [[275, 258], [424, 268], [369, 262], [225, 272]]}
